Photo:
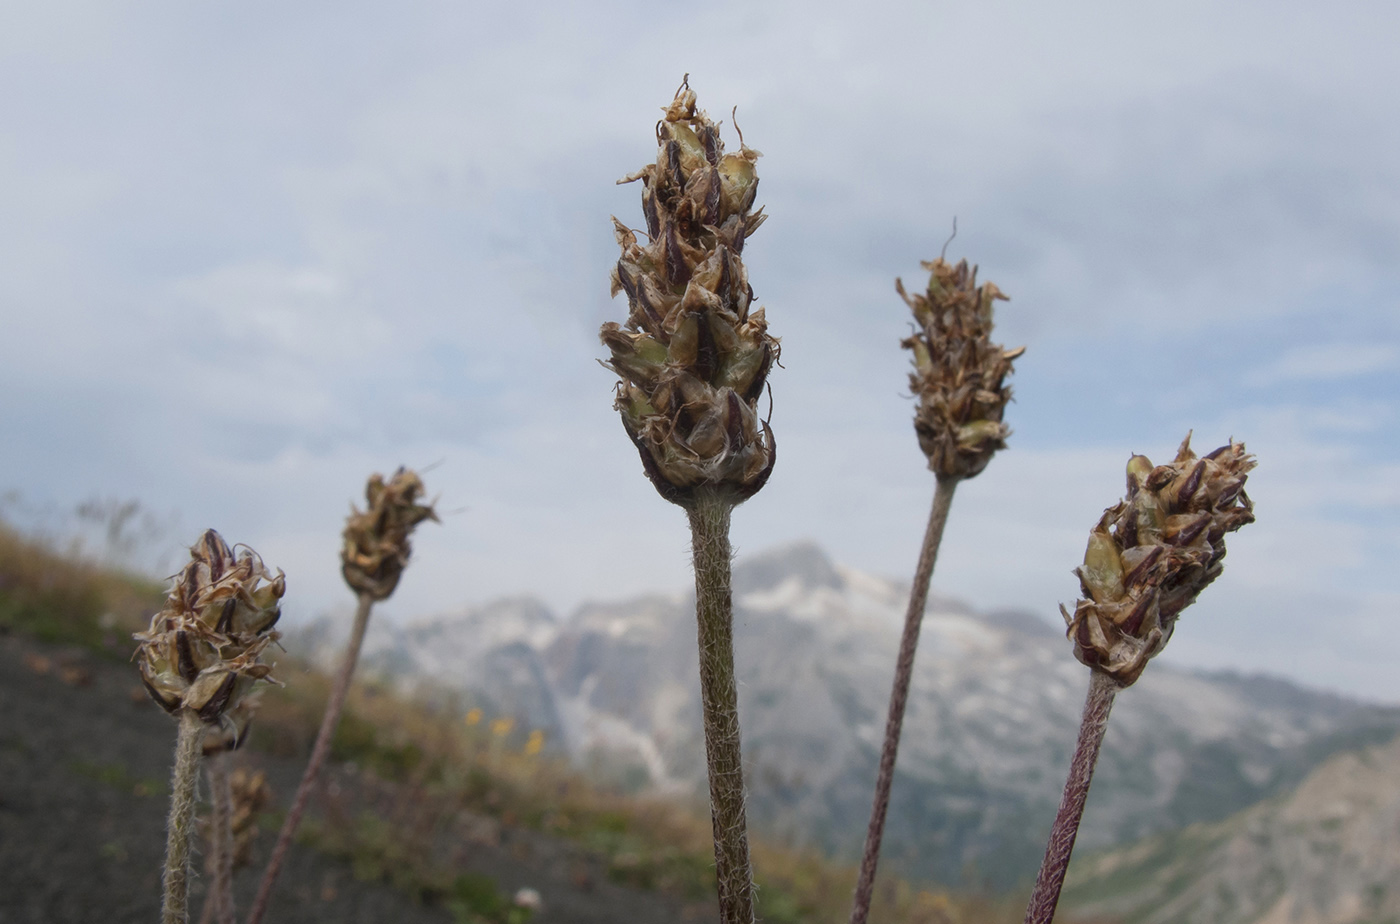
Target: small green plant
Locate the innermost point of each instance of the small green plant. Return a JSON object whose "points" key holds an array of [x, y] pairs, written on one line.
{"points": [[474, 899], [119, 777]]}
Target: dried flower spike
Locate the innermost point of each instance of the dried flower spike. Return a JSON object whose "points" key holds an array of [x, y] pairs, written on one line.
{"points": [[958, 375], [198, 659], [694, 360], [958, 372], [376, 547], [202, 650], [1153, 553], [251, 796], [1148, 559], [693, 357], [373, 555]]}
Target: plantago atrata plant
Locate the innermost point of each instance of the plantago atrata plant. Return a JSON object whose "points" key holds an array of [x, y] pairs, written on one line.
{"points": [[219, 745], [694, 357], [1148, 559], [373, 557], [198, 659], [959, 378]]}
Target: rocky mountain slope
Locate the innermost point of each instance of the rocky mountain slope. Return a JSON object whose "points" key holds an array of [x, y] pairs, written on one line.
{"points": [[1328, 852], [991, 720]]}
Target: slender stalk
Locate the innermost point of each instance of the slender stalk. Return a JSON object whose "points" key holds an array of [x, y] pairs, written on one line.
{"points": [[211, 901], [319, 752], [899, 696], [180, 827], [1102, 689], [714, 611], [218, 902]]}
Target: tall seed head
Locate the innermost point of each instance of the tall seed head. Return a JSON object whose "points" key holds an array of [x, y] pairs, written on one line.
{"points": [[202, 651], [693, 357], [958, 372], [1153, 553], [376, 547]]}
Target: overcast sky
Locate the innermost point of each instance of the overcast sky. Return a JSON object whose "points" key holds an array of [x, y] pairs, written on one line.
{"points": [[251, 252]]}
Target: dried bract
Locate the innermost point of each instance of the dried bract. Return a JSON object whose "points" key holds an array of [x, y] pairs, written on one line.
{"points": [[694, 359], [251, 797], [1153, 553], [233, 730], [376, 547], [202, 650], [958, 372]]}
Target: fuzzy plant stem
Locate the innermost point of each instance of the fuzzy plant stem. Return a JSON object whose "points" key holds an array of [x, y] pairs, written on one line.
{"points": [[714, 611], [899, 696], [319, 752], [218, 903], [1102, 689], [180, 826]]}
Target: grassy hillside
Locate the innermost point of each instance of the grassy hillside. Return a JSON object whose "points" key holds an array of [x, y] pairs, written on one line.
{"points": [[416, 786], [1326, 852], [58, 598]]}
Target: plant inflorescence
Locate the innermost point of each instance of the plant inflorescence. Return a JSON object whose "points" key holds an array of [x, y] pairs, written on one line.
{"points": [[693, 358]]}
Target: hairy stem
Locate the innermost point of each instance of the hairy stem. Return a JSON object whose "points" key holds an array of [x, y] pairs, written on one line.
{"points": [[899, 696], [319, 752], [1102, 689], [218, 902], [180, 826], [714, 611]]}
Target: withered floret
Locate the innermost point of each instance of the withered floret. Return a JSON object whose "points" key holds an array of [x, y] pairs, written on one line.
{"points": [[1152, 554], [233, 730], [202, 651], [693, 357], [959, 373], [376, 547], [251, 795]]}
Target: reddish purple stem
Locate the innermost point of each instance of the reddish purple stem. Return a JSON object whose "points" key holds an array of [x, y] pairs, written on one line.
{"points": [[1102, 689]]}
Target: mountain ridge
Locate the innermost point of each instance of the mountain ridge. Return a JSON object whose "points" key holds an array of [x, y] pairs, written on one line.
{"points": [[1325, 852], [992, 716]]}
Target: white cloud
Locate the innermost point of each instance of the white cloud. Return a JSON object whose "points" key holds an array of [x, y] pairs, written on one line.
{"points": [[250, 257], [1327, 362]]}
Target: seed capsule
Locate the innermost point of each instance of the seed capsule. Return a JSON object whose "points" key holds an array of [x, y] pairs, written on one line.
{"points": [[202, 650], [375, 549], [959, 373], [1152, 554], [691, 348]]}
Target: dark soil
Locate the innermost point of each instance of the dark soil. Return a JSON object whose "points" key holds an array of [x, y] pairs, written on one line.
{"points": [[84, 768]]}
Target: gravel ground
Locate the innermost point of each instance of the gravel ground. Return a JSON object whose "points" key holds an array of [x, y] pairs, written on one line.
{"points": [[84, 768]]}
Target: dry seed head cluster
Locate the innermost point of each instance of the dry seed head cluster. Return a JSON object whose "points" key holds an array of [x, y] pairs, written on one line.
{"points": [[693, 356], [959, 373], [202, 651], [1154, 552], [251, 796], [376, 547]]}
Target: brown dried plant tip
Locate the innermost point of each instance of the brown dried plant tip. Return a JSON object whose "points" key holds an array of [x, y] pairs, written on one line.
{"points": [[376, 547], [1153, 553], [693, 357], [958, 372], [202, 650], [251, 797]]}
